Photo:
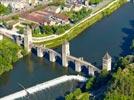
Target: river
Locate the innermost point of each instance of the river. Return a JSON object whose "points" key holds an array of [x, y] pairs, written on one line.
{"points": [[112, 34]]}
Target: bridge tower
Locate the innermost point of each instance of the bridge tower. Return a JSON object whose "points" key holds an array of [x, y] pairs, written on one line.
{"points": [[91, 71], [107, 61], [52, 56], [18, 40], [1, 37], [65, 53], [28, 39], [40, 52]]}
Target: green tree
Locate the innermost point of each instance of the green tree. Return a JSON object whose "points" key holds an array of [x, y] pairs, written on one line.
{"points": [[48, 29], [16, 17], [90, 83], [8, 55], [2, 9], [122, 87]]}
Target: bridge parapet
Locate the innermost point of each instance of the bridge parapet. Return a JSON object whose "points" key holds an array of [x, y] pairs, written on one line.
{"points": [[80, 62]]}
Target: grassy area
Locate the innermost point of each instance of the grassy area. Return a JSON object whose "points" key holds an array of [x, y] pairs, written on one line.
{"points": [[77, 30]]}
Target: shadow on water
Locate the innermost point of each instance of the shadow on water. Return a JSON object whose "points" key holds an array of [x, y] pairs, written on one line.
{"points": [[58, 60], [46, 55], [126, 50], [71, 65], [4, 78], [34, 51], [84, 70]]}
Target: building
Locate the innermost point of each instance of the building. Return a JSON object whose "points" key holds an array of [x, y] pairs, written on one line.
{"points": [[68, 8], [37, 18], [107, 61], [76, 1], [19, 5], [54, 9], [43, 17], [33, 2], [77, 7], [15, 4]]}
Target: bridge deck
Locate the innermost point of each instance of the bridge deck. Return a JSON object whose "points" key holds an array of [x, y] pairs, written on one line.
{"points": [[83, 62], [51, 50]]}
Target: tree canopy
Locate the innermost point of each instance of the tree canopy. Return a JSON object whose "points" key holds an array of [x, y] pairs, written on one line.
{"points": [[122, 84], [5, 10], [8, 55]]}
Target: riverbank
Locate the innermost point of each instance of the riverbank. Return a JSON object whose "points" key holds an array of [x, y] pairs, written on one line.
{"points": [[85, 23]]}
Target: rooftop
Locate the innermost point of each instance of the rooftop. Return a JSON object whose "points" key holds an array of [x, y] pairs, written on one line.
{"points": [[107, 56]]}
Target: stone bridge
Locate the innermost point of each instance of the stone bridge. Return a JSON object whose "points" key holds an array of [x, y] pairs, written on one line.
{"points": [[65, 56]]}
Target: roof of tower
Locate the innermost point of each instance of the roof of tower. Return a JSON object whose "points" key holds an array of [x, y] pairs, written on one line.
{"points": [[27, 27], [107, 56]]}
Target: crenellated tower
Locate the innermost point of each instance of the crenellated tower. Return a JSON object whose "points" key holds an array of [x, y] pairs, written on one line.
{"points": [[65, 53], [28, 39], [107, 61]]}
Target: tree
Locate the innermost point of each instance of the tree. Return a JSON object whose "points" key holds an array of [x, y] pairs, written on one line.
{"points": [[78, 95], [94, 1], [8, 55], [8, 9], [16, 17], [21, 30], [2, 9], [90, 82], [122, 87], [58, 2], [48, 29], [123, 61]]}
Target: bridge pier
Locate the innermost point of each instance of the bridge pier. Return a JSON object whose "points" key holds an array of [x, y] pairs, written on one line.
{"points": [[91, 71], [65, 53], [17, 40], [1, 37], [28, 39], [77, 66], [40, 52], [52, 56]]}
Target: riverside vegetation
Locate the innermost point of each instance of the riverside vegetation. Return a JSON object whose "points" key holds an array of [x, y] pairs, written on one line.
{"points": [[8, 54], [116, 85]]}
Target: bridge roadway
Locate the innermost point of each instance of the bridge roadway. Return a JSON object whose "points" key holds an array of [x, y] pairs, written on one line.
{"points": [[83, 63], [51, 50], [43, 86], [44, 49], [11, 34]]}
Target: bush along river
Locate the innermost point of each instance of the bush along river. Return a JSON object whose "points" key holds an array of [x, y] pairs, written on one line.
{"points": [[112, 34]]}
